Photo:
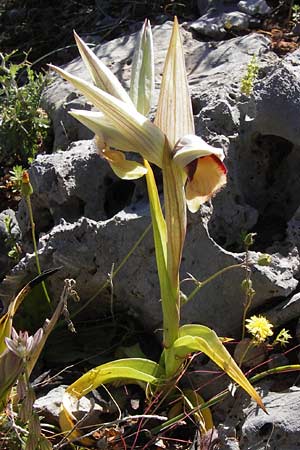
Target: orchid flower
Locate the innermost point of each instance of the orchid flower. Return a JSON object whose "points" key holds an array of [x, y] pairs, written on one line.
{"points": [[206, 173]]}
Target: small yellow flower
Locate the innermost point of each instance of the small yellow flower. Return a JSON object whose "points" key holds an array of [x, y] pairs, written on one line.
{"points": [[283, 337], [260, 328]]}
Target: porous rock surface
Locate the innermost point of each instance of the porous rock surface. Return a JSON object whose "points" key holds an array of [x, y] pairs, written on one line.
{"points": [[87, 220], [277, 430]]}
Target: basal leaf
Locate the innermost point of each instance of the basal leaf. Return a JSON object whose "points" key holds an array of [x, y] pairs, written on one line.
{"points": [[131, 370], [194, 338]]}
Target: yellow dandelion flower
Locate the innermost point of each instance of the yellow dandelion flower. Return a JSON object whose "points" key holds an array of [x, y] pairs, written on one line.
{"points": [[260, 328]]}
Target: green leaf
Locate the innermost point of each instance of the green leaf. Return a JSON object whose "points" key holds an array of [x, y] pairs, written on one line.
{"points": [[175, 211], [7, 318], [131, 370], [193, 338], [275, 371], [11, 366], [5, 329], [158, 221]]}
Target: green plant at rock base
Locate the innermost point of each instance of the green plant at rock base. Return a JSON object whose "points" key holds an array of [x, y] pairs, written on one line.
{"points": [[24, 125], [192, 172], [15, 251], [250, 76]]}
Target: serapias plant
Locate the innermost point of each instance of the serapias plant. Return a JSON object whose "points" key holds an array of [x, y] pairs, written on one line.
{"points": [[192, 172]]}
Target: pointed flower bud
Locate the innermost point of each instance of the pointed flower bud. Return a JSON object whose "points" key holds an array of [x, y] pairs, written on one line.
{"points": [[249, 239], [26, 188]]}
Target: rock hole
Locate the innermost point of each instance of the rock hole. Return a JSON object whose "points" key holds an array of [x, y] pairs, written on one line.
{"points": [[266, 429], [196, 106], [118, 195], [72, 209], [43, 220], [267, 176], [232, 95], [270, 184]]}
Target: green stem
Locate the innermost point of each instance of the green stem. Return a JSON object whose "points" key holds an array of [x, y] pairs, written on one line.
{"points": [[28, 201], [275, 371], [175, 217], [249, 293], [249, 346], [201, 284], [245, 312]]}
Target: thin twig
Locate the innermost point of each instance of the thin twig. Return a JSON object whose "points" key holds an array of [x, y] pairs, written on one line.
{"points": [[111, 282], [116, 271], [201, 284], [124, 420], [28, 201]]}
